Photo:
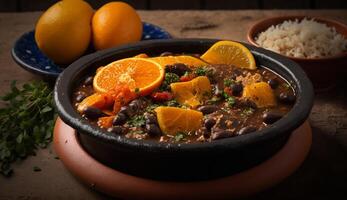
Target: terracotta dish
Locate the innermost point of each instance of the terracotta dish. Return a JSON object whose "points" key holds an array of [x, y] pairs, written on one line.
{"points": [[323, 72], [117, 184]]}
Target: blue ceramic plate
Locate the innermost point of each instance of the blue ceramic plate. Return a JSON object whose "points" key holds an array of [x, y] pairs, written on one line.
{"points": [[26, 53]]}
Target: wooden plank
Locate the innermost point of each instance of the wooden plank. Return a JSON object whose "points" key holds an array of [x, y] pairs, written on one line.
{"points": [[283, 4], [8, 5], [338, 4], [174, 4], [230, 4]]}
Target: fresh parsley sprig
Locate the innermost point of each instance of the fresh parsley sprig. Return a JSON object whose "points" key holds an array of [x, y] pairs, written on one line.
{"points": [[26, 122]]}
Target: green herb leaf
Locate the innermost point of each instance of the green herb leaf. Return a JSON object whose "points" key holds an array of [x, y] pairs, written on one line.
{"points": [[200, 71], [247, 112], [169, 78], [230, 100], [26, 122], [137, 121], [172, 103], [180, 136], [228, 82], [151, 107]]}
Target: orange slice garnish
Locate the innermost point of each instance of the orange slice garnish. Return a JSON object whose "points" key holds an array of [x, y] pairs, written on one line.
{"points": [[187, 60], [261, 94], [139, 74], [191, 92], [173, 120], [230, 53]]}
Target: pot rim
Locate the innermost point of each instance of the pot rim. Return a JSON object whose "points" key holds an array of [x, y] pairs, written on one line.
{"points": [[294, 118]]}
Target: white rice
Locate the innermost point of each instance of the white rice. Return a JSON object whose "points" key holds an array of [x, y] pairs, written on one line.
{"points": [[303, 39]]}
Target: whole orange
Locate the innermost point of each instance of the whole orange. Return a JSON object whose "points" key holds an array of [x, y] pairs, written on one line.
{"points": [[114, 24], [63, 32]]}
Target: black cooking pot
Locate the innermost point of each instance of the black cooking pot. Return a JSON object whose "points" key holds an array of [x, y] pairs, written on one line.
{"points": [[181, 162]]}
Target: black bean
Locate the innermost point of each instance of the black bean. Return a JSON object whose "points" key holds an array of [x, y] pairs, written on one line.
{"points": [[127, 110], [247, 129], [178, 68], [93, 112], [236, 89], [238, 72], [80, 97], [221, 123], [134, 105], [273, 83], [209, 123], [153, 130], [221, 134], [235, 123], [271, 117], [166, 53], [206, 134], [151, 119], [246, 103], [287, 98], [208, 109], [119, 119], [138, 104], [115, 129], [88, 80]]}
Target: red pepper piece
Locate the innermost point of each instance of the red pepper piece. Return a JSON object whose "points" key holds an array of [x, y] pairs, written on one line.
{"points": [[161, 96]]}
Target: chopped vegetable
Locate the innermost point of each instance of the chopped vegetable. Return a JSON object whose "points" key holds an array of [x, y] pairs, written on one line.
{"points": [[187, 77], [105, 122], [161, 96]]}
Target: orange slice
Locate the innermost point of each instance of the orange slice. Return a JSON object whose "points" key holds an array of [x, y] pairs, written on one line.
{"points": [[139, 74], [260, 93], [191, 92], [172, 120], [187, 60], [230, 53]]}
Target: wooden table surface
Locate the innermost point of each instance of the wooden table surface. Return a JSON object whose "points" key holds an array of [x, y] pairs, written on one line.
{"points": [[323, 175]]}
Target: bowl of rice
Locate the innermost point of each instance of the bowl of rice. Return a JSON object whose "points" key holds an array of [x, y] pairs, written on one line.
{"points": [[318, 45]]}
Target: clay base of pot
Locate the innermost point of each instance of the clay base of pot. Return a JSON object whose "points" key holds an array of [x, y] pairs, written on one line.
{"points": [[121, 185]]}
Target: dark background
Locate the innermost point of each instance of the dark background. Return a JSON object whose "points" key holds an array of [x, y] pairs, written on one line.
{"points": [[35, 5]]}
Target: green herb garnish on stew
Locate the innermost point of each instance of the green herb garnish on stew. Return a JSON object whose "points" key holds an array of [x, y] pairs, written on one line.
{"points": [[180, 136], [200, 71], [229, 99], [137, 121], [247, 112], [228, 82], [169, 78]]}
